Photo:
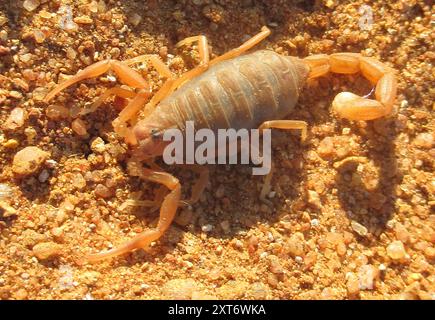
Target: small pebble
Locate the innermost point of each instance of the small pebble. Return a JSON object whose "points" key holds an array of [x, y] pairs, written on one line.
{"points": [[366, 276], [39, 36], [11, 144], [46, 250], [259, 291], [314, 199], [78, 181], [21, 294], [6, 210], [135, 19], [352, 284], [83, 20], [102, 191], [314, 223], [358, 228], [5, 191], [184, 217], [424, 140], [79, 127], [396, 251], [179, 289], [28, 160], [56, 112], [98, 145], [31, 5], [295, 245], [271, 194], [326, 147], [225, 225], [16, 119], [207, 228], [71, 53], [15, 94]]}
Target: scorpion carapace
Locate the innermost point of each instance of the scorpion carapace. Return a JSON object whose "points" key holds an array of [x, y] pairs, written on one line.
{"points": [[237, 90]]}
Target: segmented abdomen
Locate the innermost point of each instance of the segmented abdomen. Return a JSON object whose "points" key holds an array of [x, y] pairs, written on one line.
{"points": [[239, 93]]}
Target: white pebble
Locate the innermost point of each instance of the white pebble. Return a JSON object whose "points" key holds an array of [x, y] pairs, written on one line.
{"points": [[207, 228], [359, 228], [144, 286], [88, 296], [50, 163], [314, 223], [31, 5], [382, 267], [5, 191]]}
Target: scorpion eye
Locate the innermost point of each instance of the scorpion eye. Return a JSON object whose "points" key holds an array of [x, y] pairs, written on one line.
{"points": [[155, 134]]}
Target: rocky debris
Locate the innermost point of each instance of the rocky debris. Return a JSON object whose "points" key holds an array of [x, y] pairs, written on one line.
{"points": [[31, 5], [295, 245], [5, 191], [79, 127], [102, 191], [367, 275], [314, 199], [362, 171], [47, 250], [56, 112], [396, 251], [234, 289], [358, 228], [29, 238], [6, 210], [179, 289], [16, 119], [352, 285], [425, 140], [28, 161], [98, 145]]}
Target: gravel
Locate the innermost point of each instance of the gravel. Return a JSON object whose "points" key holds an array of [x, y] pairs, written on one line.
{"points": [[305, 245]]}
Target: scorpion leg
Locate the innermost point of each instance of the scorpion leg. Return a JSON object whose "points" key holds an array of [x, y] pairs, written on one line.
{"points": [[265, 189], [204, 56], [286, 124], [124, 72], [203, 50], [167, 212], [127, 114], [199, 185], [164, 71], [117, 91], [280, 124], [135, 105], [265, 32], [349, 105]]}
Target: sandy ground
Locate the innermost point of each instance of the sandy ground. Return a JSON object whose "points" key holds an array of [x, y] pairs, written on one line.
{"points": [[352, 208]]}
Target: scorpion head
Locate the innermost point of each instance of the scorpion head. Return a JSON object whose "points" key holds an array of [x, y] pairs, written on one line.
{"points": [[149, 135]]}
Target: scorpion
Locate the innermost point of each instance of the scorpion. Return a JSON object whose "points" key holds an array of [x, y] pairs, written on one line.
{"points": [[234, 90]]}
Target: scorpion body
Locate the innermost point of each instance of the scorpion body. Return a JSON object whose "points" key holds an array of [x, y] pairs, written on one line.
{"points": [[235, 90], [240, 93]]}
